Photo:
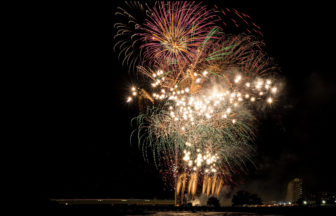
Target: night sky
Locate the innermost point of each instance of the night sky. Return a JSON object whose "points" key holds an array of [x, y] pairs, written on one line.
{"points": [[82, 144]]}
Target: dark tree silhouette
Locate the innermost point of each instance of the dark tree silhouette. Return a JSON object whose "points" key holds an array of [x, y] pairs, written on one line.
{"points": [[213, 201], [300, 202], [244, 197], [240, 198], [255, 199]]}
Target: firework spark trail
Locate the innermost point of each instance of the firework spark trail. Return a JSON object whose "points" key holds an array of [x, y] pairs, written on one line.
{"points": [[127, 34], [219, 187], [208, 186], [233, 20], [204, 184]]}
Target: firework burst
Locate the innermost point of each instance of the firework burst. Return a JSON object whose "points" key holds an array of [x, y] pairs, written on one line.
{"points": [[205, 87], [174, 31]]}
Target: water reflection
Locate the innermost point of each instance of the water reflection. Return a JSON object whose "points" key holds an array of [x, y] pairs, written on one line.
{"points": [[187, 213]]}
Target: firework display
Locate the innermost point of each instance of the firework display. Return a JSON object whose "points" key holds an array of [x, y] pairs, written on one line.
{"points": [[174, 31], [204, 88], [127, 34]]}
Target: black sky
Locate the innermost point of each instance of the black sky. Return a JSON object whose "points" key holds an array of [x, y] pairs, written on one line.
{"points": [[82, 141]]}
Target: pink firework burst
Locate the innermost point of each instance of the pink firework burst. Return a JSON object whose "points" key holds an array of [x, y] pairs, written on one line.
{"points": [[174, 31]]}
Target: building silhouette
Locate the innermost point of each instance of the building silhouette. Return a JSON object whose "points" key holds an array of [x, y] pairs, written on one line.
{"points": [[294, 190]]}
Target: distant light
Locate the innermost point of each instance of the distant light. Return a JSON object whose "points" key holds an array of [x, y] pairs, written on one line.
{"points": [[323, 202], [305, 202], [289, 203], [259, 83], [238, 78]]}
